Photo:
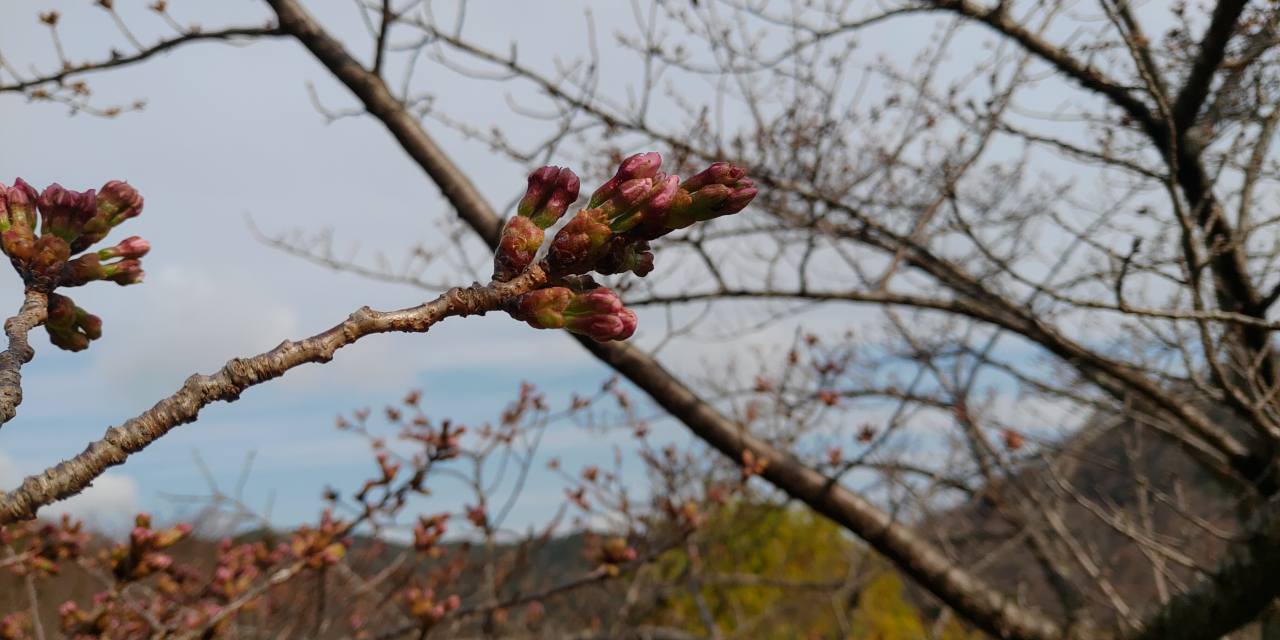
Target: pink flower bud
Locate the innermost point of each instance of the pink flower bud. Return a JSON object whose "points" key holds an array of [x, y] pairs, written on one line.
{"points": [[598, 301], [717, 173], [641, 165], [131, 247], [540, 183], [22, 200], [564, 194], [744, 192], [125, 272], [118, 201], [520, 241], [600, 315], [64, 212], [551, 191]]}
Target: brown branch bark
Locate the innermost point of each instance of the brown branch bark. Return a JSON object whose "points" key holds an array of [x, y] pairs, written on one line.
{"points": [[962, 591], [143, 54], [32, 313], [72, 476]]}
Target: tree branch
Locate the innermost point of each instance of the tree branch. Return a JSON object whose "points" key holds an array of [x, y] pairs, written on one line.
{"points": [[121, 61], [962, 591], [72, 476], [32, 313]]}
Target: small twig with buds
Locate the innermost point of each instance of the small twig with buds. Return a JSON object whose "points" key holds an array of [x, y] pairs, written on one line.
{"points": [[610, 236], [32, 313]]}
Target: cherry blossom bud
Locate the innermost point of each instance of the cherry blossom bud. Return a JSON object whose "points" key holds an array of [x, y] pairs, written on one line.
{"points": [[717, 173], [579, 244], [640, 165], [118, 201], [125, 272], [520, 241], [551, 191], [131, 247], [543, 308], [538, 192], [719, 190], [63, 212], [22, 200], [600, 315]]}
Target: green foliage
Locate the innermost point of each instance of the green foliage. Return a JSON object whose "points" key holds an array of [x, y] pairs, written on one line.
{"points": [[772, 572]]}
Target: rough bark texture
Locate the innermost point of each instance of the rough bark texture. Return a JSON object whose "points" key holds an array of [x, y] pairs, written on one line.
{"points": [[72, 476], [31, 315]]}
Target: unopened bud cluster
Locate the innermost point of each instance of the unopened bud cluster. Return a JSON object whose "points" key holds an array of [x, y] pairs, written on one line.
{"points": [[144, 555], [611, 235], [46, 236]]}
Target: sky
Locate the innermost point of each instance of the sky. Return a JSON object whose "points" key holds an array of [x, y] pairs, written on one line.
{"points": [[231, 134]]}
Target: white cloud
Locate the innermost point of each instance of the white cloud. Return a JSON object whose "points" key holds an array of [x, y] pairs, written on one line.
{"points": [[108, 505]]}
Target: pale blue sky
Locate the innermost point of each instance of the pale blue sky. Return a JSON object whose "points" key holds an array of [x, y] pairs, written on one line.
{"points": [[231, 131]]}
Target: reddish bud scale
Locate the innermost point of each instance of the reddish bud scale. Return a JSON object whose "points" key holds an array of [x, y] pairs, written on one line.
{"points": [[517, 247], [579, 244], [543, 308]]}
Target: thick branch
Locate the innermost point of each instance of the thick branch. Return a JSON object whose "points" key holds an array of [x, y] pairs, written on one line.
{"points": [[72, 476], [962, 591], [1233, 596], [35, 307], [1213, 46]]}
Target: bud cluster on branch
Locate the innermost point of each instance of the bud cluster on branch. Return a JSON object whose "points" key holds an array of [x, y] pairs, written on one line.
{"points": [[41, 248], [611, 235]]}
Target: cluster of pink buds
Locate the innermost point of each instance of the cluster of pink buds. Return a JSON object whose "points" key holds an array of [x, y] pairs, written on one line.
{"points": [[424, 607], [142, 555], [14, 626], [239, 566], [598, 313], [640, 204], [322, 546], [611, 235], [69, 222], [47, 545], [551, 191], [428, 533]]}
